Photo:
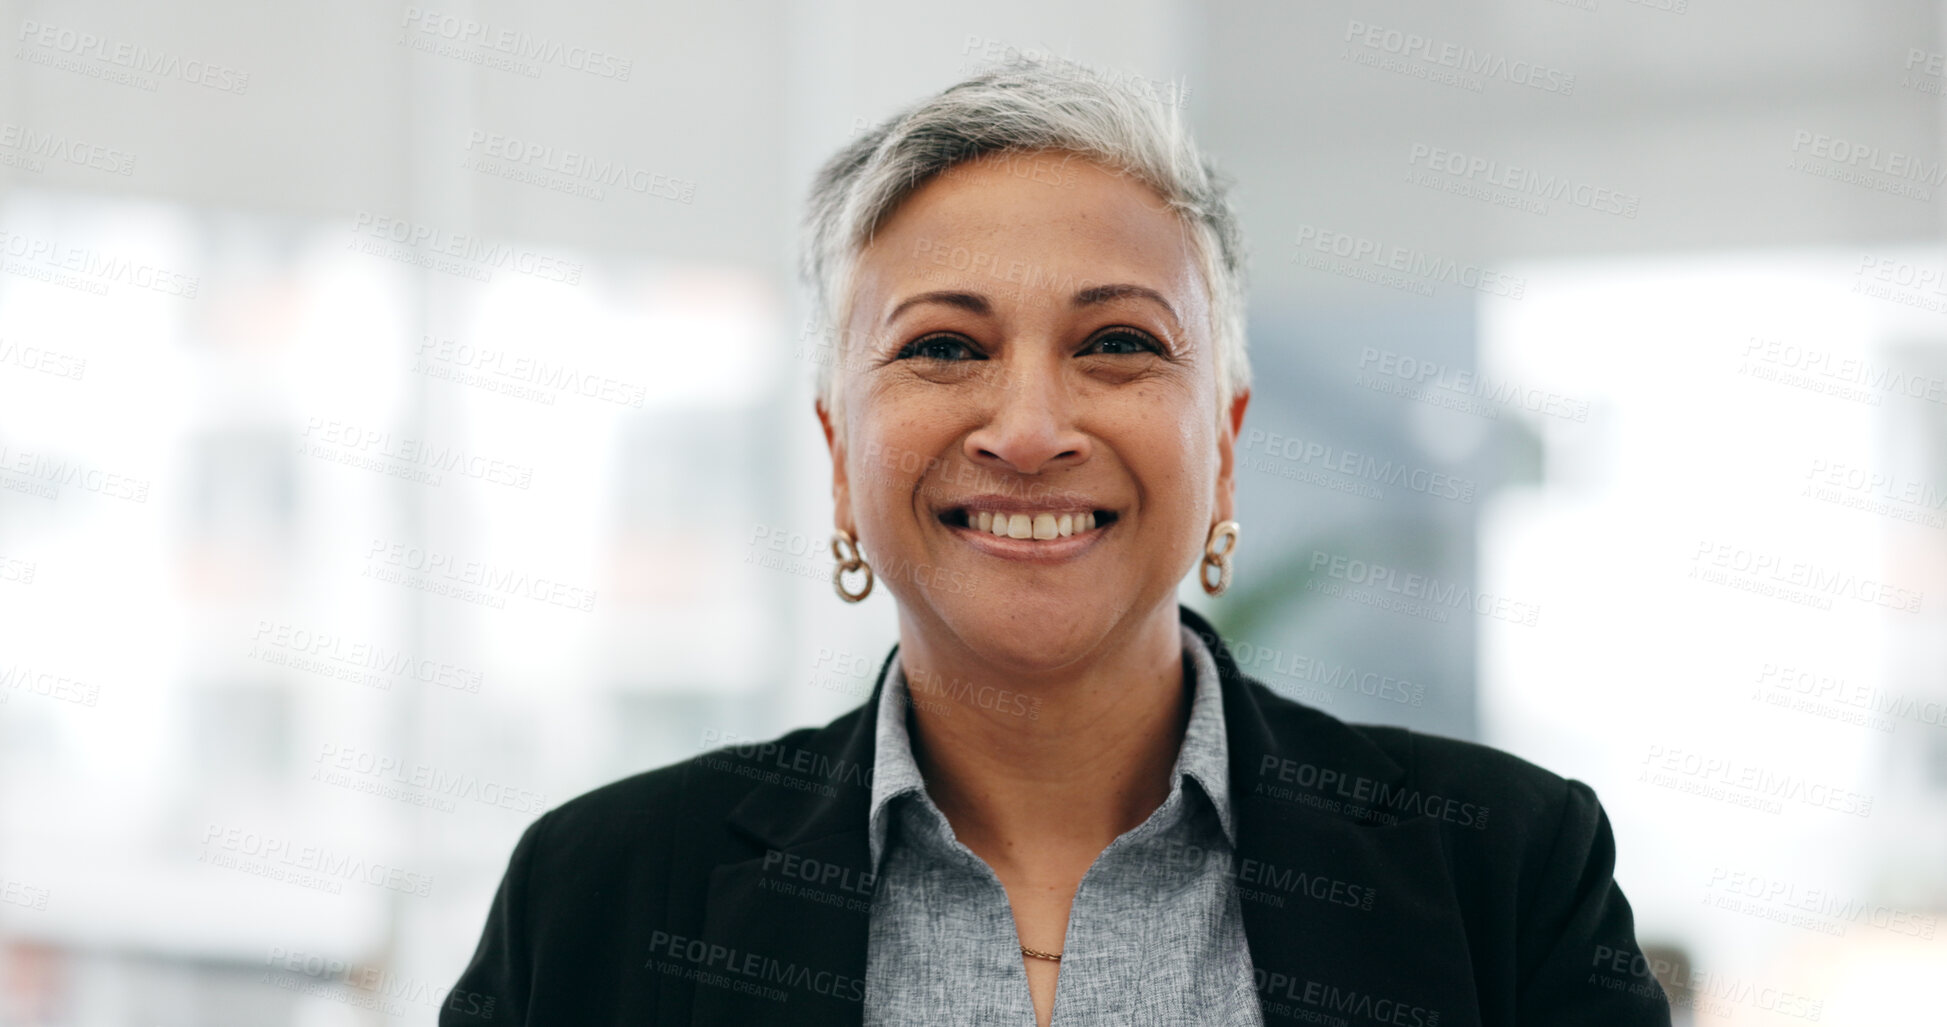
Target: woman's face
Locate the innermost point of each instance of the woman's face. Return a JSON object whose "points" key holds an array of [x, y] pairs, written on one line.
{"points": [[1030, 345]]}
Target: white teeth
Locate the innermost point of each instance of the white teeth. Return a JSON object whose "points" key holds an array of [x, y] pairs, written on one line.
{"points": [[1040, 526]]}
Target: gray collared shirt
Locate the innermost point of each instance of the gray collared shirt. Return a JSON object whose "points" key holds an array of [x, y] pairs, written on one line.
{"points": [[1155, 935]]}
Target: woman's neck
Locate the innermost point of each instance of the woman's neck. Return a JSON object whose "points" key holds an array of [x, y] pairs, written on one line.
{"points": [[1054, 766]]}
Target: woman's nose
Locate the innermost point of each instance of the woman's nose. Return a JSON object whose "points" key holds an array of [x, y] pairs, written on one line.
{"points": [[1031, 423]]}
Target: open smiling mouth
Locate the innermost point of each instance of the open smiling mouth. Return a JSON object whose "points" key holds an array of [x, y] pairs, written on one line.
{"points": [[1042, 525]]}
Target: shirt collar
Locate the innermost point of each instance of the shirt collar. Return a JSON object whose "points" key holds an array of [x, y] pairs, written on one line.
{"points": [[1204, 756]]}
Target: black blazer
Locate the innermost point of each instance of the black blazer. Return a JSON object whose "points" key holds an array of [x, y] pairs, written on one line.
{"points": [[1387, 877]]}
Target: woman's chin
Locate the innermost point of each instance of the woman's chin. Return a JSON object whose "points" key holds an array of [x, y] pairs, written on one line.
{"points": [[1031, 631]]}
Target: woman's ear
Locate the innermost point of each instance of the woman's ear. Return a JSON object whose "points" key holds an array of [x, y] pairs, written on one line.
{"points": [[1231, 424], [841, 489]]}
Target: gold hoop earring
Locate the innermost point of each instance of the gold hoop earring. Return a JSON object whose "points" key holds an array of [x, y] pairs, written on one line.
{"points": [[849, 559], [1218, 558]]}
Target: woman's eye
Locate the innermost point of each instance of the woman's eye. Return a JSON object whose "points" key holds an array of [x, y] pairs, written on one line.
{"points": [[1122, 340], [940, 347]]}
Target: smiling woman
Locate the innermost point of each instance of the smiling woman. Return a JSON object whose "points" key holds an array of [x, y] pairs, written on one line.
{"points": [[1032, 426]]}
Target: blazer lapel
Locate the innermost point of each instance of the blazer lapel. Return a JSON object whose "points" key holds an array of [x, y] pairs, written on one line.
{"points": [[1348, 906], [793, 918]]}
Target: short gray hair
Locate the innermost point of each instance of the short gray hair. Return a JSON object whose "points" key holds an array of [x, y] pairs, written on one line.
{"points": [[1024, 105]]}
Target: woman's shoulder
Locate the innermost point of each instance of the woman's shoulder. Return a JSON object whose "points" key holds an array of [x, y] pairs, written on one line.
{"points": [[1455, 764], [1520, 844], [693, 797], [1401, 773]]}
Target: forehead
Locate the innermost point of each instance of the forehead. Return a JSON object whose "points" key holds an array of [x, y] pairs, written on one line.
{"points": [[1028, 230]]}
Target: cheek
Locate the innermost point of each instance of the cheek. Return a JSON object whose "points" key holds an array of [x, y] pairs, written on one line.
{"points": [[1170, 447], [889, 457]]}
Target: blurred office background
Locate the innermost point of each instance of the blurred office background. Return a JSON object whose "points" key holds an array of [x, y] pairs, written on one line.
{"points": [[371, 481]]}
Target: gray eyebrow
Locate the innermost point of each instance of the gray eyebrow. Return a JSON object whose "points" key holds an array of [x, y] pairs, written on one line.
{"points": [[972, 302], [1105, 293]]}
